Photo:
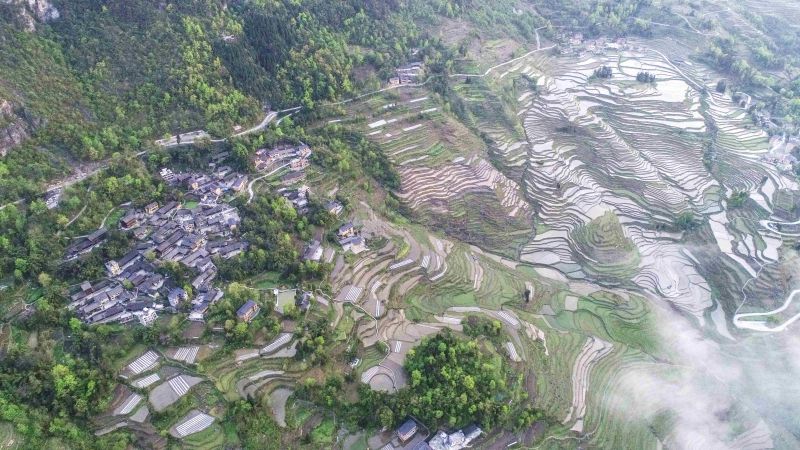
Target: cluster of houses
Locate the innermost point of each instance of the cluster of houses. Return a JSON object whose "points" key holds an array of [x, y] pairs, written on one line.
{"points": [[207, 188], [134, 288], [782, 151], [350, 238], [193, 235], [576, 44], [760, 116], [294, 157], [408, 437], [86, 244], [763, 118], [407, 74], [109, 301], [785, 163], [298, 197]]}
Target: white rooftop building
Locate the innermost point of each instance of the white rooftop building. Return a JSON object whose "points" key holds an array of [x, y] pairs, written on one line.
{"points": [[147, 316], [456, 441]]}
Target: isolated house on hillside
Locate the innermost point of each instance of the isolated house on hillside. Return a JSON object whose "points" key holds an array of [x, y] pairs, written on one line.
{"points": [[248, 311], [313, 251], [334, 207]]}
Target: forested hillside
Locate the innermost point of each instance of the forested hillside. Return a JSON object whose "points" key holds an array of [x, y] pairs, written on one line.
{"points": [[109, 77]]}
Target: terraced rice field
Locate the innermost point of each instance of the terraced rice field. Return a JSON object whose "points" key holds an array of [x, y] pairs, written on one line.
{"points": [[603, 250], [591, 147], [443, 167], [255, 377], [581, 184], [473, 279], [208, 439], [606, 168]]}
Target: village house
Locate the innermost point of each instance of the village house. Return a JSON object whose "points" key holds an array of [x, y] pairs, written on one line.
{"points": [[130, 220], [407, 430], [334, 207], [347, 230], [168, 208], [236, 182], [456, 441], [140, 233], [151, 208], [298, 198], [266, 159], [305, 301], [167, 175], [222, 172], [355, 244], [129, 259], [147, 316], [313, 251], [202, 281], [198, 315], [231, 250], [86, 245], [408, 73], [248, 311]]}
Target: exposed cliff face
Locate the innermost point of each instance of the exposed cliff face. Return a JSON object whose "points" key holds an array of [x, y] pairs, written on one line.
{"points": [[29, 12], [15, 127]]}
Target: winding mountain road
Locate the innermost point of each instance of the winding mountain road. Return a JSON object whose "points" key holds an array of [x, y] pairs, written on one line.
{"points": [[761, 325]]}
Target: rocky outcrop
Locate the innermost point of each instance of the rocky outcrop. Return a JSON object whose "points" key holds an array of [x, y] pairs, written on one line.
{"points": [[15, 127], [30, 12]]}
